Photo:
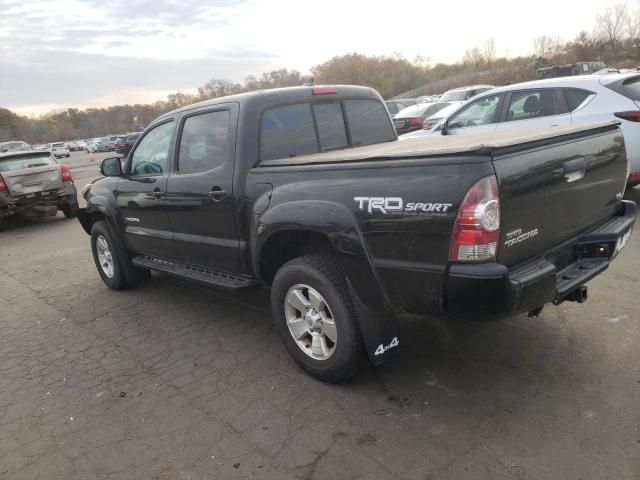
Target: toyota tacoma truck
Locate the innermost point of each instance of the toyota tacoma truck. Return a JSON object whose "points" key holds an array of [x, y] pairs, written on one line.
{"points": [[308, 191], [35, 182]]}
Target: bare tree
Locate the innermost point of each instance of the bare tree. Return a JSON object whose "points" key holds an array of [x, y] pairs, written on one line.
{"points": [[473, 57], [633, 31], [541, 46], [556, 46], [612, 22], [490, 50]]}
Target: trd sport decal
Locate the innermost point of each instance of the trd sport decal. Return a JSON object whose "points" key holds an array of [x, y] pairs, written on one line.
{"points": [[397, 206]]}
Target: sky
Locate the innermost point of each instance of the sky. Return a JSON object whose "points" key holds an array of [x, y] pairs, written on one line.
{"points": [[95, 53]]}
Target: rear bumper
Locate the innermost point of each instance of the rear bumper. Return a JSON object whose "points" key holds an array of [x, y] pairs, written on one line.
{"points": [[10, 205], [492, 290]]}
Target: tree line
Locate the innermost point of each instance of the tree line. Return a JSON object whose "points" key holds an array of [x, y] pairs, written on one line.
{"points": [[614, 39]]}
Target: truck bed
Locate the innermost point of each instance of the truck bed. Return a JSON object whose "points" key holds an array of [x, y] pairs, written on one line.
{"points": [[439, 145]]}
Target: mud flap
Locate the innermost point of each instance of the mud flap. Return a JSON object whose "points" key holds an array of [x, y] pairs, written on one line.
{"points": [[83, 218], [379, 329]]}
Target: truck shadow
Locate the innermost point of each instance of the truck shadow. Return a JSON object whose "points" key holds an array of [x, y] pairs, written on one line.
{"points": [[437, 357]]}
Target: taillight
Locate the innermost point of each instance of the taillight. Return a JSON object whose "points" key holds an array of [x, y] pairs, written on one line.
{"points": [[66, 173], [323, 90], [3, 186], [415, 122], [632, 116], [477, 228]]}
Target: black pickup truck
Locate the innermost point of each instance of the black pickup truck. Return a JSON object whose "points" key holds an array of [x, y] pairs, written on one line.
{"points": [[307, 190]]}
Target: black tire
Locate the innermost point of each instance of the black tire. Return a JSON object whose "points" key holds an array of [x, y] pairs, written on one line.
{"points": [[70, 210], [125, 274], [321, 272]]}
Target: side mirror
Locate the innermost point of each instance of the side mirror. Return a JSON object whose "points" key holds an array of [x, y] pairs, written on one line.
{"points": [[111, 167], [444, 128]]}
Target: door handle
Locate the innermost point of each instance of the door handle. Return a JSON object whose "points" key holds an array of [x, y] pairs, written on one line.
{"points": [[217, 193], [574, 170], [156, 193]]}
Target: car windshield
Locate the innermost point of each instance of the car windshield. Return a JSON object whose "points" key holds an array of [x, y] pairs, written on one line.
{"points": [[22, 162], [412, 111], [57, 145], [454, 96]]}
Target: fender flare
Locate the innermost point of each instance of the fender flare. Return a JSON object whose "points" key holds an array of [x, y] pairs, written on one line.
{"points": [[374, 313], [101, 205]]}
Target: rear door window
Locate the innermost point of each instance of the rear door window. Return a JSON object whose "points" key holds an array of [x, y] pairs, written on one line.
{"points": [[331, 129], [525, 104], [575, 97], [368, 122], [287, 132], [203, 143]]}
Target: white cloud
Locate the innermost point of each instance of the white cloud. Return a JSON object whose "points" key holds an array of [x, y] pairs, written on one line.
{"points": [[57, 46]]}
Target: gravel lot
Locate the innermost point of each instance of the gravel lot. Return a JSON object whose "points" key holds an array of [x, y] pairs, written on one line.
{"points": [[173, 381]]}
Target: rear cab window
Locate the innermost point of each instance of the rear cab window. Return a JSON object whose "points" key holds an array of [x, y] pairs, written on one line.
{"points": [[311, 127]]}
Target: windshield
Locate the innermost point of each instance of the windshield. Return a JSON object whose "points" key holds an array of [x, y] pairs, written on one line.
{"points": [[57, 145], [20, 163], [455, 96]]}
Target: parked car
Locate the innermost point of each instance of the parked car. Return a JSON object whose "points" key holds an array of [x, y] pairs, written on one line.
{"points": [[35, 182], [428, 98], [307, 190], [13, 145], [463, 94], [39, 147], [394, 106], [59, 150], [124, 143], [555, 102], [411, 118], [111, 143]]}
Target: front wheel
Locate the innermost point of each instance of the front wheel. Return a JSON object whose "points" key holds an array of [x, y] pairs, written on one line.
{"points": [[114, 264], [314, 316]]}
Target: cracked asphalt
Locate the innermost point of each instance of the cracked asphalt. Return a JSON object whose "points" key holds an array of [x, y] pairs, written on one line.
{"points": [[174, 381]]}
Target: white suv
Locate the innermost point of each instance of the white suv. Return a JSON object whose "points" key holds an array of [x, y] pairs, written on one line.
{"points": [[59, 149], [551, 103]]}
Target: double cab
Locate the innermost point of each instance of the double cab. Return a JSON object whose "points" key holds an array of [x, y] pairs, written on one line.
{"points": [[307, 190]]}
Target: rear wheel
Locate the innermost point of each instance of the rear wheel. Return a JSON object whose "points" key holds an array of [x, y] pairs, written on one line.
{"points": [[114, 264], [314, 316]]}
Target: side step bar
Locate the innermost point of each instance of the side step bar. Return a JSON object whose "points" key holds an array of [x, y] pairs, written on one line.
{"points": [[206, 276]]}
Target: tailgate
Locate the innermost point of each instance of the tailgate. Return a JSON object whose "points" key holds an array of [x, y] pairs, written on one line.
{"points": [[32, 180], [553, 190]]}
